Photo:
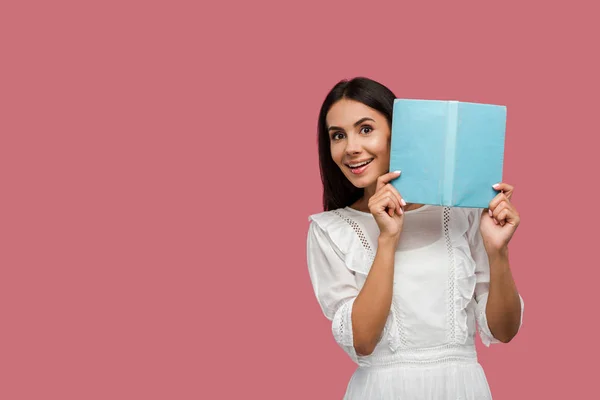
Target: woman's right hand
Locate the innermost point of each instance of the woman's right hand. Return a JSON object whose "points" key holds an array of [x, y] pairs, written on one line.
{"points": [[386, 205]]}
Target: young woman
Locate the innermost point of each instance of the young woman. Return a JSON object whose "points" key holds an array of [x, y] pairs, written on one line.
{"points": [[405, 285]]}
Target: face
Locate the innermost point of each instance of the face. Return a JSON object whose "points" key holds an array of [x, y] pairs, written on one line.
{"points": [[359, 134]]}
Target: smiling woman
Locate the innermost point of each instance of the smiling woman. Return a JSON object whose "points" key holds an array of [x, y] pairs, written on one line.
{"points": [[365, 133], [404, 285], [351, 116]]}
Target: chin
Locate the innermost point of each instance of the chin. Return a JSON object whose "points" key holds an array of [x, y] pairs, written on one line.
{"points": [[362, 182]]}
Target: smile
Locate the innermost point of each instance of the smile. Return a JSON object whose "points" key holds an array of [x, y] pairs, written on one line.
{"points": [[359, 167]]}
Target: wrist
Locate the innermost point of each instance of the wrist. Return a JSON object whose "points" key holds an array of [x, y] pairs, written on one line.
{"points": [[388, 241], [500, 254]]}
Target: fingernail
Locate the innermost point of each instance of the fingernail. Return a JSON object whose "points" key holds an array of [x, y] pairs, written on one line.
{"points": [[401, 212], [496, 222], [496, 186], [402, 202], [397, 172], [490, 212]]}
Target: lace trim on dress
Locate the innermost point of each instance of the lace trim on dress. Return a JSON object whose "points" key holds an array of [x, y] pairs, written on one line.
{"points": [[451, 278], [343, 325], [342, 329], [361, 236]]}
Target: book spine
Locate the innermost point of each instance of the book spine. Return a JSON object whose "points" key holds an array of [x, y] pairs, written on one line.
{"points": [[450, 153]]}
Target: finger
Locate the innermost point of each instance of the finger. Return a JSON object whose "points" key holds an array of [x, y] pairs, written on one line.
{"points": [[388, 189], [391, 210], [384, 201], [499, 208], [504, 188], [390, 204], [499, 198], [385, 178], [497, 213], [396, 194], [396, 203], [489, 212], [509, 216], [504, 216]]}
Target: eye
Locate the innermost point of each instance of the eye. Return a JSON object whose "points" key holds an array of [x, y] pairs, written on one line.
{"points": [[366, 128], [337, 136]]}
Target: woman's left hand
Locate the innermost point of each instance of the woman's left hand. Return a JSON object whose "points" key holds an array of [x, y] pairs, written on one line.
{"points": [[500, 221]]}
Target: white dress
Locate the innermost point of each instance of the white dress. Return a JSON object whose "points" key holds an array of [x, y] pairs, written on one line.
{"points": [[441, 282]]}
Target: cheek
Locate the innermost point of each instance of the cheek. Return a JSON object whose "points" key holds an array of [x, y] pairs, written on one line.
{"points": [[381, 147], [336, 154]]}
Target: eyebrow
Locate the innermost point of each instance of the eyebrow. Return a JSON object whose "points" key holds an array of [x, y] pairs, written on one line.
{"points": [[360, 121]]}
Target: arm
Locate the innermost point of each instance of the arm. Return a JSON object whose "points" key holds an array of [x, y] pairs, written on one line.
{"points": [[359, 318], [372, 305], [503, 309], [336, 292], [501, 306]]}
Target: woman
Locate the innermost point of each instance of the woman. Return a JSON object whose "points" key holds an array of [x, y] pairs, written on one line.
{"points": [[405, 285]]}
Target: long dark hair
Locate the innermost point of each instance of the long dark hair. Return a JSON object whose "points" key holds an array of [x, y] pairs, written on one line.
{"points": [[338, 191]]}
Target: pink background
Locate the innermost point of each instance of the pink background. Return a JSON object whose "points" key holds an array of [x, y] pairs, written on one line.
{"points": [[158, 164]]}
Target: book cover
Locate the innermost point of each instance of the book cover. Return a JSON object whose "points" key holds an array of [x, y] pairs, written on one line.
{"points": [[450, 152]]}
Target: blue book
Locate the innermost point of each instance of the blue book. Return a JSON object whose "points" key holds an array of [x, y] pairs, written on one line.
{"points": [[450, 152]]}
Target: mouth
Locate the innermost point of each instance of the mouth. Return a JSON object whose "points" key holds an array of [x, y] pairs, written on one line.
{"points": [[359, 167]]}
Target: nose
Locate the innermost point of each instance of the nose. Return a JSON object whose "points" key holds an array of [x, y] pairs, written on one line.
{"points": [[352, 145]]}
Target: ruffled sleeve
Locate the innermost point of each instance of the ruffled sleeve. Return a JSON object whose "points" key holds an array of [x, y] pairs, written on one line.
{"points": [[482, 273], [334, 286]]}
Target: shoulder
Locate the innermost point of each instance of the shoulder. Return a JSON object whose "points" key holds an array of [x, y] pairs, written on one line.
{"points": [[336, 226], [327, 220], [336, 230]]}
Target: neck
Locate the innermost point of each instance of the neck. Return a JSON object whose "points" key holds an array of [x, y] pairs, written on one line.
{"points": [[369, 192], [363, 203]]}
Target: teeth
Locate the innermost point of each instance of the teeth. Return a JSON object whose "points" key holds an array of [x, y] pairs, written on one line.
{"points": [[360, 164]]}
